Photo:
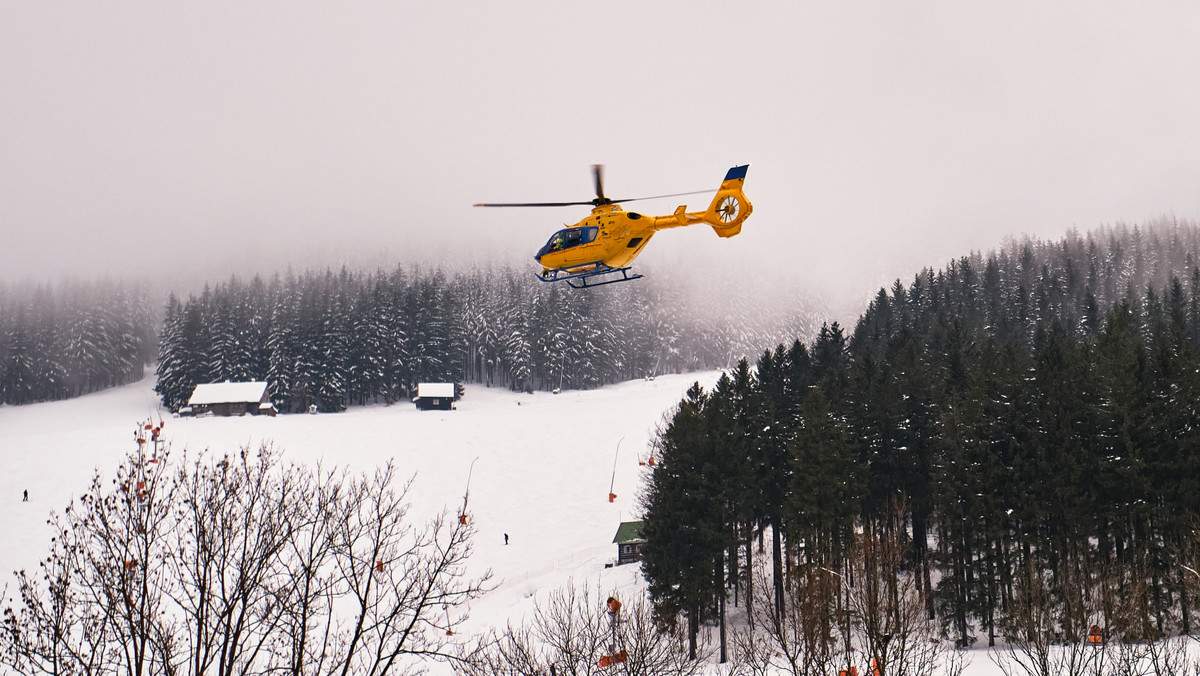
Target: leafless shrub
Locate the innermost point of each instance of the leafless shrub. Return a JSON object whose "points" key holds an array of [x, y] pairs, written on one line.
{"points": [[807, 637], [888, 605], [99, 600], [571, 631], [868, 614], [241, 565], [1167, 657], [1033, 645]]}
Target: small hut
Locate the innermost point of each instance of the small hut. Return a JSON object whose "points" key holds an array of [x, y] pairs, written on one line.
{"points": [[435, 396], [230, 399], [629, 542]]}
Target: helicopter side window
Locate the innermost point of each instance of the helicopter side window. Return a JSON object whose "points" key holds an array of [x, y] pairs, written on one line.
{"points": [[565, 239]]}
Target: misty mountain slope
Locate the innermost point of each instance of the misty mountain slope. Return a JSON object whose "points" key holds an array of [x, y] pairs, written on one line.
{"points": [[65, 340], [1027, 284]]}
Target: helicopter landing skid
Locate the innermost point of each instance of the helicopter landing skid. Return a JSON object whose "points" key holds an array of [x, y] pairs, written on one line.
{"points": [[593, 274]]}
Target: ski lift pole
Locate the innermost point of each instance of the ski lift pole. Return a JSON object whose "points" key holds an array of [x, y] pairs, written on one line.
{"points": [[614, 607], [612, 483], [462, 515], [615, 654], [613, 642]]}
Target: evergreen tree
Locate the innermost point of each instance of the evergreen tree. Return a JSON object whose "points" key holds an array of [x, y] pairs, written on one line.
{"points": [[171, 369], [685, 518]]}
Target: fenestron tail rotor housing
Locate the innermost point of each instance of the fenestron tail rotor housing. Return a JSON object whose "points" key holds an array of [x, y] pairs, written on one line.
{"points": [[728, 209]]}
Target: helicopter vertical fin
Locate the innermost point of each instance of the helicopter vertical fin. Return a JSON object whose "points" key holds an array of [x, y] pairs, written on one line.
{"points": [[729, 207]]}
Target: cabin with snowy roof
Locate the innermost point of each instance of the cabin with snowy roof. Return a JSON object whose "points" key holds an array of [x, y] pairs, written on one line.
{"points": [[629, 542], [229, 399], [435, 396]]}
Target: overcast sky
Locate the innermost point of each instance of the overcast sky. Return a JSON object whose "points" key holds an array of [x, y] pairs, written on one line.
{"points": [[152, 138]]}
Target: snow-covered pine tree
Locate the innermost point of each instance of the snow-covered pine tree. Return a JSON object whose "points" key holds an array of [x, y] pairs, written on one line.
{"points": [[223, 354], [170, 371], [389, 317], [517, 341], [364, 370], [49, 369], [282, 342], [331, 344], [18, 384], [86, 345]]}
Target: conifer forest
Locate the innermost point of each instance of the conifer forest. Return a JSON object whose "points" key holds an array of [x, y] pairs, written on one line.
{"points": [[334, 340], [1025, 424], [65, 341]]}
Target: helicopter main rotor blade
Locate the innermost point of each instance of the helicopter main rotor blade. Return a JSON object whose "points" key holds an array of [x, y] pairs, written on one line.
{"points": [[588, 203], [655, 197], [535, 204], [601, 200], [598, 176]]}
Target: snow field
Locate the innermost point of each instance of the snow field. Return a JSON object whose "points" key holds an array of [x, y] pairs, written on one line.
{"points": [[540, 467]]}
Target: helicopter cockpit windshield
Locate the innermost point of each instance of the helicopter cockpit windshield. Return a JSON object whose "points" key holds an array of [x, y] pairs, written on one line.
{"points": [[570, 237]]}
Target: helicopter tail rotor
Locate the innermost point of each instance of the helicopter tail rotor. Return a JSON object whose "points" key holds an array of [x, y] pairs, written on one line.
{"points": [[729, 207]]}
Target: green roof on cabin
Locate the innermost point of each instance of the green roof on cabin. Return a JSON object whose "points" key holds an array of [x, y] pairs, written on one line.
{"points": [[628, 531]]}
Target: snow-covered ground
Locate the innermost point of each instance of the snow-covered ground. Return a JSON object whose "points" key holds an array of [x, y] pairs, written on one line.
{"points": [[543, 464]]}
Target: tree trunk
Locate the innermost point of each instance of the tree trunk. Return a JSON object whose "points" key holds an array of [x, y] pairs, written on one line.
{"points": [[1183, 605], [777, 566], [750, 575], [693, 629], [721, 605]]}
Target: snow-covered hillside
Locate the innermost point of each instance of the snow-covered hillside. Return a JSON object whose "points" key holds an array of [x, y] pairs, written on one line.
{"points": [[543, 465]]}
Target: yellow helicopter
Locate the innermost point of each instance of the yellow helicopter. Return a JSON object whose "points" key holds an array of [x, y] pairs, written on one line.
{"points": [[599, 249]]}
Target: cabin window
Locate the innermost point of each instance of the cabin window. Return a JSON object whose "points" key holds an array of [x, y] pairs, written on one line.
{"points": [[565, 239]]}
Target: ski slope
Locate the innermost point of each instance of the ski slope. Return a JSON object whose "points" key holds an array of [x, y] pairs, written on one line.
{"points": [[542, 468]]}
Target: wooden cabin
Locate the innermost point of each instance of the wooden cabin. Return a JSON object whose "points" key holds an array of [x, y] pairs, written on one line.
{"points": [[435, 396], [228, 398], [629, 542]]}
